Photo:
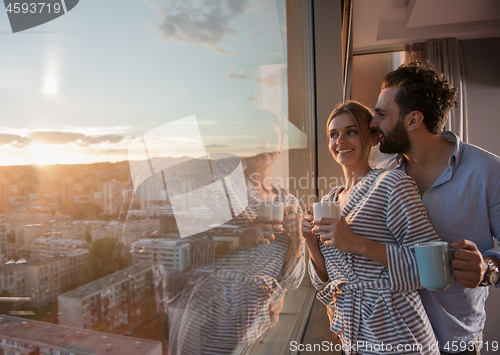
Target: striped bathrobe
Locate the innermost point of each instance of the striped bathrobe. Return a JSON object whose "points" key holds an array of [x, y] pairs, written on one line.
{"points": [[227, 309], [374, 304]]}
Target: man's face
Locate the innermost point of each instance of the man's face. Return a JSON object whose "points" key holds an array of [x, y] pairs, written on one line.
{"points": [[390, 125]]}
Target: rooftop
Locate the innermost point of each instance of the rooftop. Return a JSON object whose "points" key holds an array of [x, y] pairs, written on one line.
{"points": [[160, 242], [107, 281], [64, 337], [58, 240], [45, 261], [56, 258]]}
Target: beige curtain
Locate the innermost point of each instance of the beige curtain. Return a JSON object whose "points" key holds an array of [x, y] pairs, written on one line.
{"points": [[445, 55]]}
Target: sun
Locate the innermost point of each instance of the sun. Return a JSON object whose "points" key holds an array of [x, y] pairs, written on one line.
{"points": [[45, 154]]}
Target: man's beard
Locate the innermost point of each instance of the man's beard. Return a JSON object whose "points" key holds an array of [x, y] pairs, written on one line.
{"points": [[396, 140]]}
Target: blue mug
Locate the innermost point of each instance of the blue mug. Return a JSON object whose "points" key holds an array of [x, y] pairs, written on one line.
{"points": [[433, 263]]}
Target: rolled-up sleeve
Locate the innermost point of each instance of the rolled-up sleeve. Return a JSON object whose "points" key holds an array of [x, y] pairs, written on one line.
{"points": [[294, 278], [316, 281]]}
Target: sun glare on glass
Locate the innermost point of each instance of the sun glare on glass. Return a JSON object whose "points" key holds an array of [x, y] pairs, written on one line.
{"points": [[50, 85], [45, 154]]}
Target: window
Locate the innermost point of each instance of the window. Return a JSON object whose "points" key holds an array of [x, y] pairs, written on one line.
{"points": [[82, 88], [368, 70]]}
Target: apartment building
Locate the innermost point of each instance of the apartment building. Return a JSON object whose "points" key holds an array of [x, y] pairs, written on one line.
{"points": [[13, 220], [23, 337], [47, 278], [152, 211], [57, 221], [26, 234], [113, 300], [21, 237], [174, 254], [47, 247], [85, 228], [3, 241], [112, 197], [66, 194], [13, 279], [126, 232], [132, 231]]}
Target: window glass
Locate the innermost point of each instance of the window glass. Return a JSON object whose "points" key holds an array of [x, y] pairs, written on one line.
{"points": [[368, 71], [140, 141]]}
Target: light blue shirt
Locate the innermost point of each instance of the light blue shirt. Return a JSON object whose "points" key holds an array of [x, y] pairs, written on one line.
{"points": [[464, 202]]}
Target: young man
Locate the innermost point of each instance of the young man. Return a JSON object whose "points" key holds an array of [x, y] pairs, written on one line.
{"points": [[460, 187]]}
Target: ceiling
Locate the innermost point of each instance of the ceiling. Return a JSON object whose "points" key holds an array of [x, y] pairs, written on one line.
{"points": [[380, 25]]}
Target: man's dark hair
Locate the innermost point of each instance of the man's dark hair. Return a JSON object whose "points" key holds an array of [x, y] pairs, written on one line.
{"points": [[423, 89]]}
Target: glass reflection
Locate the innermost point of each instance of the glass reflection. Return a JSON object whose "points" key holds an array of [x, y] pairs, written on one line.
{"points": [[98, 235], [235, 287]]}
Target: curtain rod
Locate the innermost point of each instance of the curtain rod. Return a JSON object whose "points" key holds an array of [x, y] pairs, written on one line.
{"points": [[381, 51]]}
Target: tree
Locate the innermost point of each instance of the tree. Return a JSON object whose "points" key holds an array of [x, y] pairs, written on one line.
{"points": [[104, 259]]}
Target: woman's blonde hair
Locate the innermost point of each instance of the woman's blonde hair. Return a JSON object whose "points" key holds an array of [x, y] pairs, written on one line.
{"points": [[361, 115]]}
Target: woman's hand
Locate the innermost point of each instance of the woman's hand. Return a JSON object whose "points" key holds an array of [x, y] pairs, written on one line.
{"points": [[262, 230], [311, 239], [306, 225], [275, 310], [330, 311], [291, 221], [338, 234]]}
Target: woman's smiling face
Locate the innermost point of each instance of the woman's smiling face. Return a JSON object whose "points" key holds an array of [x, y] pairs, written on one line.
{"points": [[346, 143]]}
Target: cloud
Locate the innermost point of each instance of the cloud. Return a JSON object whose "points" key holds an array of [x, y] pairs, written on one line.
{"points": [[55, 137], [252, 98], [12, 139], [71, 137], [107, 138], [204, 23], [97, 130], [239, 76]]}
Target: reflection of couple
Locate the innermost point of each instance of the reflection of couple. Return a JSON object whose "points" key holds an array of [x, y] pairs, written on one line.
{"points": [[363, 265], [241, 292]]}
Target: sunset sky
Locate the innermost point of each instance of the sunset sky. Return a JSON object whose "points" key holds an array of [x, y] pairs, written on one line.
{"points": [[80, 88]]}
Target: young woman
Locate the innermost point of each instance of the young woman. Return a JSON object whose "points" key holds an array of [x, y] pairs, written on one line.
{"points": [[363, 265]]}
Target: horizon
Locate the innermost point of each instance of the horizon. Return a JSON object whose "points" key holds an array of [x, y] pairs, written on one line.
{"points": [[68, 164]]}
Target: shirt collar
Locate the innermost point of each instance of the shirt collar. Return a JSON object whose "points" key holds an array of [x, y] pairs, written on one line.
{"points": [[455, 157], [459, 146]]}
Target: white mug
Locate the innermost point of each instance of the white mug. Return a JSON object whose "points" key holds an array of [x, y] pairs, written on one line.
{"points": [[270, 209], [326, 209]]}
